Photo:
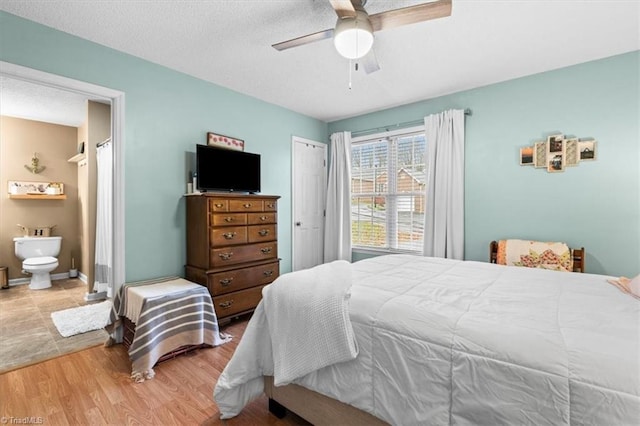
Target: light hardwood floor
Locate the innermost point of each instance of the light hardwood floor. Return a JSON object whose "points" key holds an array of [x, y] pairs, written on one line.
{"points": [[93, 387]]}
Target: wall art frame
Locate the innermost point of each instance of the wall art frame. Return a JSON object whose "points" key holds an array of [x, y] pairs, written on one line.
{"points": [[558, 152], [527, 156], [587, 150], [572, 155], [540, 154], [227, 142]]}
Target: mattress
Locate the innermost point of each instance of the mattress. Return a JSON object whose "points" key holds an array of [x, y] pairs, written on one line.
{"points": [[459, 342]]}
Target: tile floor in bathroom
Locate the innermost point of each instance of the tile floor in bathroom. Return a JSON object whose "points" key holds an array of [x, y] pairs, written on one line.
{"points": [[27, 333]]}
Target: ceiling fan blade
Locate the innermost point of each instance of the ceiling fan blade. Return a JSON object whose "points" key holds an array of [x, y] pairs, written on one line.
{"points": [[344, 8], [369, 62], [410, 15], [299, 41]]}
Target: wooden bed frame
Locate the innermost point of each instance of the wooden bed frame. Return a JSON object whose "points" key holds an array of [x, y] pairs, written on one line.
{"points": [[314, 407], [578, 256]]}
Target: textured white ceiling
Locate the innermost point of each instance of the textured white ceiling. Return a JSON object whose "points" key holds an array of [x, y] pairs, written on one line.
{"points": [[229, 43], [41, 103]]}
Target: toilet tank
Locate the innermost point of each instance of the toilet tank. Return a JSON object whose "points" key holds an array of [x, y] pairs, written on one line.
{"points": [[27, 247]]}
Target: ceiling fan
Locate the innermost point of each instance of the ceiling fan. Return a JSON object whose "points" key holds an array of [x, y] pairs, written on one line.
{"points": [[353, 33]]}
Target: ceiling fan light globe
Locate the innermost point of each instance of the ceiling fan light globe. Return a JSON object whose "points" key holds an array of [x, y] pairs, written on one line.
{"points": [[353, 37]]}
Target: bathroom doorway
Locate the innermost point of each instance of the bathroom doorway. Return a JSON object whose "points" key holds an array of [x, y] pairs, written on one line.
{"points": [[116, 98], [67, 288]]}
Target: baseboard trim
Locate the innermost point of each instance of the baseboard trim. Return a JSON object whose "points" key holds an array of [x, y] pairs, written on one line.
{"points": [[54, 277], [19, 281], [60, 276], [91, 297]]}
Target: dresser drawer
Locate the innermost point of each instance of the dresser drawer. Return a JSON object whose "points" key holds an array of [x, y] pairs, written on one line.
{"points": [[218, 205], [258, 218], [228, 235], [245, 205], [239, 279], [258, 233], [238, 254], [229, 219], [239, 301]]}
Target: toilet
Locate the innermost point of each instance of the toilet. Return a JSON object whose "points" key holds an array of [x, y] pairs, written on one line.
{"points": [[38, 255]]}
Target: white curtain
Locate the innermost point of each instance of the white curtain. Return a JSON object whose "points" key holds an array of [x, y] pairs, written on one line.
{"points": [[337, 229], [444, 215], [104, 221]]}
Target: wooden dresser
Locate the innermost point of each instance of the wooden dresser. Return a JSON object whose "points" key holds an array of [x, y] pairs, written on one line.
{"points": [[232, 248]]}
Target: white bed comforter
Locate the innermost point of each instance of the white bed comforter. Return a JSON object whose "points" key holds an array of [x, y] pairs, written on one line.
{"points": [[300, 325], [451, 342]]}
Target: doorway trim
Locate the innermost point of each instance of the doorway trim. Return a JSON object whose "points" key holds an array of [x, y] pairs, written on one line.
{"points": [[117, 99]]}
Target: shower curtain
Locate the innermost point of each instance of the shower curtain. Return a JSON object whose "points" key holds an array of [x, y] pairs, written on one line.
{"points": [[104, 221]]}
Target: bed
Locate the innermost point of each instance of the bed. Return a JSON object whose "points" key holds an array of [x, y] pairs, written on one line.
{"points": [[458, 342]]}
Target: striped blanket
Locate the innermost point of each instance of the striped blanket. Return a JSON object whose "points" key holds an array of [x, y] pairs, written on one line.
{"points": [[171, 313]]}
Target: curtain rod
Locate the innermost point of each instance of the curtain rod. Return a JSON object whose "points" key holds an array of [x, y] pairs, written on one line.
{"points": [[103, 142], [386, 128]]}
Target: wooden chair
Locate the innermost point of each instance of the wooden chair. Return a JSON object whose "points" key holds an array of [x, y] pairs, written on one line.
{"points": [[578, 256]]}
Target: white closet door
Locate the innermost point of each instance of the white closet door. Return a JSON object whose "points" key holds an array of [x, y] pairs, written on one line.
{"points": [[309, 191]]}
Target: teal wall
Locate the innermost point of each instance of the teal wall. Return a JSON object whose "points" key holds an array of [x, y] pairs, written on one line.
{"points": [[595, 205], [166, 114]]}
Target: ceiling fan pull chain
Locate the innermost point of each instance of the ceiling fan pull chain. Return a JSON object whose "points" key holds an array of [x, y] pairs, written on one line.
{"points": [[349, 74]]}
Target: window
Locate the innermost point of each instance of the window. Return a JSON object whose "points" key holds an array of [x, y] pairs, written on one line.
{"points": [[388, 183]]}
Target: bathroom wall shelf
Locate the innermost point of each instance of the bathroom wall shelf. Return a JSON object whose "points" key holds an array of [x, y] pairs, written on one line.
{"points": [[37, 197], [76, 158]]}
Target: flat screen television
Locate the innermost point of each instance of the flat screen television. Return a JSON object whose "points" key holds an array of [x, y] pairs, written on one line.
{"points": [[222, 169]]}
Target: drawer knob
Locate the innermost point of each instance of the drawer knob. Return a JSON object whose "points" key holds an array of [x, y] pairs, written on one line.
{"points": [[271, 205], [267, 273], [247, 205], [266, 250], [263, 218], [263, 232], [226, 305], [228, 219], [229, 235], [219, 205], [226, 281], [225, 256]]}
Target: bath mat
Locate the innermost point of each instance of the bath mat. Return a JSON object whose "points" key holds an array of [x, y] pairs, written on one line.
{"points": [[70, 322]]}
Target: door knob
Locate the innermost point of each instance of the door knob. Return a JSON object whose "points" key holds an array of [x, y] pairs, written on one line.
{"points": [[298, 223]]}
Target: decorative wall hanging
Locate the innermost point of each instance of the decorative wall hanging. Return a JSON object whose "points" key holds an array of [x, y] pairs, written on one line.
{"points": [[35, 166], [557, 153], [223, 141]]}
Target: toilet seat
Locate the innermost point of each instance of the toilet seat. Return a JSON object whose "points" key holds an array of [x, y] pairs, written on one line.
{"points": [[39, 261]]}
